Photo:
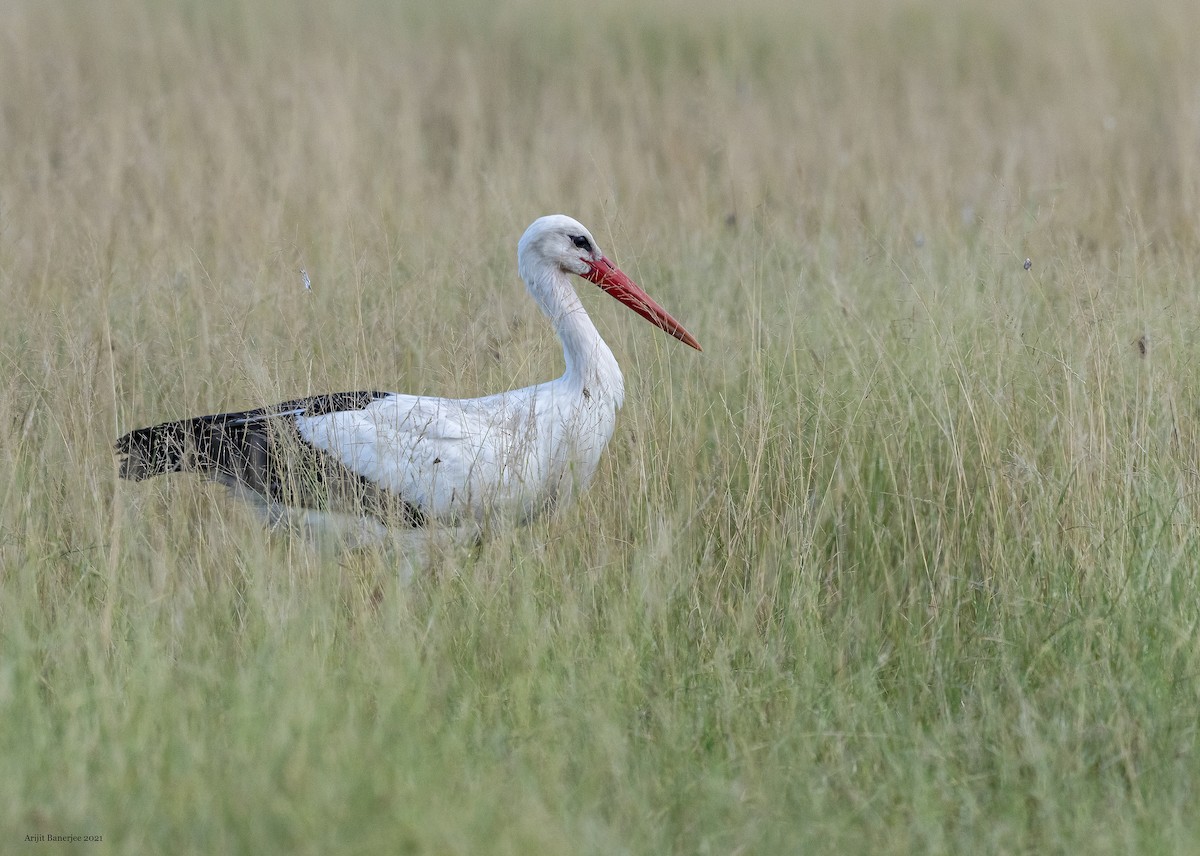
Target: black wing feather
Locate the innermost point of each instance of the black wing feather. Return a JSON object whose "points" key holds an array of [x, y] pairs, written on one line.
{"points": [[262, 450]]}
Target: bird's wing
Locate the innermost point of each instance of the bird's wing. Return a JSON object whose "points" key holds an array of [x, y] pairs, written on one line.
{"points": [[263, 451], [445, 456]]}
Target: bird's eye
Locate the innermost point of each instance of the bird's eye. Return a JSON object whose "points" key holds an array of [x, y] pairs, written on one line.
{"points": [[582, 242]]}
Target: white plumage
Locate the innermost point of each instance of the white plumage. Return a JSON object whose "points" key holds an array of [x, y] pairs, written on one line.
{"points": [[369, 465]]}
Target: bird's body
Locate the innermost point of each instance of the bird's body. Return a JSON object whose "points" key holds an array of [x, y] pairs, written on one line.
{"points": [[368, 465]]}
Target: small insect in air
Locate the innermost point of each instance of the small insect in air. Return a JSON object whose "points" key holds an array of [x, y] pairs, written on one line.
{"points": [[308, 282]]}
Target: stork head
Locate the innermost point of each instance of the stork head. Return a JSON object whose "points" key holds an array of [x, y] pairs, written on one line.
{"points": [[561, 243]]}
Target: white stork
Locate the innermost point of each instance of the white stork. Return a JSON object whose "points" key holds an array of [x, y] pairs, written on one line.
{"points": [[369, 466]]}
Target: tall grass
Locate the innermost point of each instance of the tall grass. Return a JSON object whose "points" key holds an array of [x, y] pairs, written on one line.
{"points": [[906, 561]]}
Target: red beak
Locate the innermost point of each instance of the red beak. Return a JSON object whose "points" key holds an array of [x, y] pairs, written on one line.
{"points": [[610, 278]]}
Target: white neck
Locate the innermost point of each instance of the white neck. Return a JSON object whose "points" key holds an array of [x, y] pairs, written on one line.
{"points": [[590, 363]]}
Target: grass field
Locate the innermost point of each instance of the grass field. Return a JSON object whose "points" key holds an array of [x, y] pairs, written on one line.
{"points": [[905, 562]]}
